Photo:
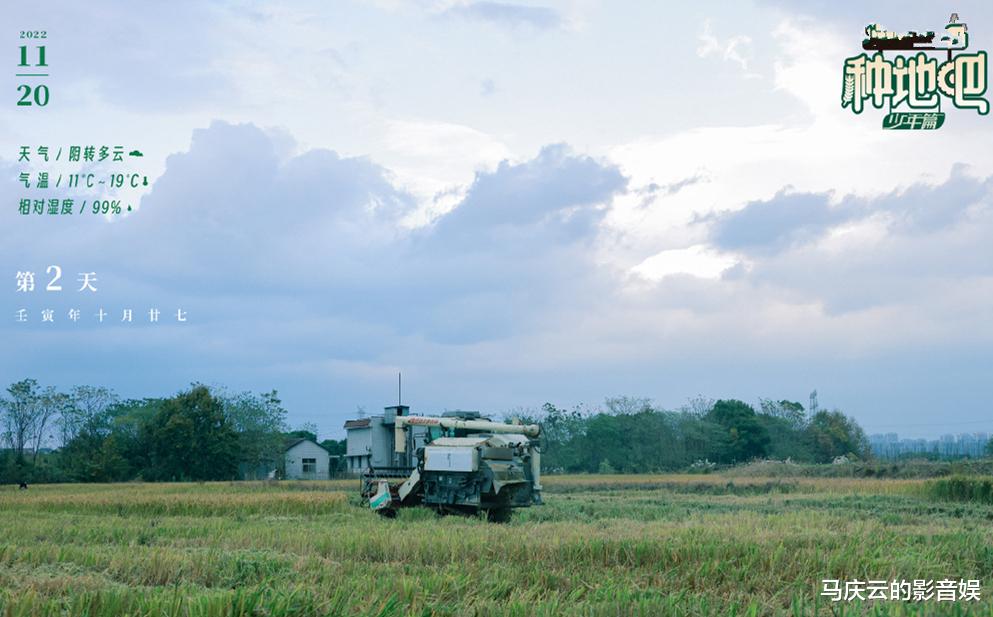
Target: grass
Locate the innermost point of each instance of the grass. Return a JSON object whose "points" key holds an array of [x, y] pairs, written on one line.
{"points": [[963, 488], [603, 545]]}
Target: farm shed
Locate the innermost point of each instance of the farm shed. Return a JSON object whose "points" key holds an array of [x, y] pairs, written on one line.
{"points": [[305, 460]]}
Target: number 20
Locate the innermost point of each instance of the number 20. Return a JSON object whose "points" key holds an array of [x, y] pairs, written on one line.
{"points": [[40, 97]]}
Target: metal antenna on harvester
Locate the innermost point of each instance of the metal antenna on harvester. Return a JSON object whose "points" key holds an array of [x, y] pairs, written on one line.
{"points": [[399, 389]]}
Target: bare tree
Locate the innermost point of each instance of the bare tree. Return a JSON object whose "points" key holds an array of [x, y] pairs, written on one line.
{"points": [[309, 427], [50, 405], [20, 414], [86, 404], [699, 405], [628, 405]]}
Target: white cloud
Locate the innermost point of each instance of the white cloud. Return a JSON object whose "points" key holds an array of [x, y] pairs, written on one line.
{"points": [[734, 49], [697, 260], [830, 150], [436, 161]]}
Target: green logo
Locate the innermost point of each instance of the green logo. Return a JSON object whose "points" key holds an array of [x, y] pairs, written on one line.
{"points": [[912, 86]]}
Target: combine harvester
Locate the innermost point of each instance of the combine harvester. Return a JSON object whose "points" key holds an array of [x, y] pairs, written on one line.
{"points": [[458, 463]]}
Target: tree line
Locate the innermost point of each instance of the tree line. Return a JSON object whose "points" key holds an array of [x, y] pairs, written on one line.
{"points": [[90, 434], [631, 435]]}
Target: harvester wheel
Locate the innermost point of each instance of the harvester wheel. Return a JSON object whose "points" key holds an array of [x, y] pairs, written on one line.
{"points": [[499, 515]]}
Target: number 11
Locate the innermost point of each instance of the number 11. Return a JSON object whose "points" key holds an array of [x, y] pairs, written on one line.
{"points": [[24, 56]]}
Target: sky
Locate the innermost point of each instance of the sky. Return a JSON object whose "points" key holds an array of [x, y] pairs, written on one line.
{"points": [[511, 203]]}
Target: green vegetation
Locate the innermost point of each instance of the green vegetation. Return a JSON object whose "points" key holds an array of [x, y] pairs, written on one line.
{"points": [[632, 436], [88, 434], [198, 434], [692, 545], [963, 488]]}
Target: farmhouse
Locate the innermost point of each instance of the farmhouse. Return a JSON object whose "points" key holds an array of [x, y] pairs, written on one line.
{"points": [[305, 460]]}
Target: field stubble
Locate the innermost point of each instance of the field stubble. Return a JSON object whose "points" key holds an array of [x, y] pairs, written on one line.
{"points": [[603, 545]]}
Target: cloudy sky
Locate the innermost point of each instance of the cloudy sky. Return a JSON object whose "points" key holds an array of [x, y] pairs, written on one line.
{"points": [[511, 203]]}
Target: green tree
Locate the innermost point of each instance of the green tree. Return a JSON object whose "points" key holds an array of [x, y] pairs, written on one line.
{"points": [[785, 440], [307, 430], [563, 438], [833, 434], [96, 455], [747, 438], [789, 411], [109, 442], [301, 433], [190, 438], [259, 420], [335, 447], [129, 421], [699, 438]]}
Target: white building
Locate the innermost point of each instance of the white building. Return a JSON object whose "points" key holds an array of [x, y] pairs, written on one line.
{"points": [[305, 460], [370, 441]]}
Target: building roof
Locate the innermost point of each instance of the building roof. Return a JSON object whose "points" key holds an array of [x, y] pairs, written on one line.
{"points": [[292, 443], [360, 423]]}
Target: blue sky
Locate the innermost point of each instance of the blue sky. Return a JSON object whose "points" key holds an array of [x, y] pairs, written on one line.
{"points": [[512, 203]]}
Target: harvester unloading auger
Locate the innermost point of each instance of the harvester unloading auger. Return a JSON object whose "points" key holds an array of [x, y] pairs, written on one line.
{"points": [[458, 464]]}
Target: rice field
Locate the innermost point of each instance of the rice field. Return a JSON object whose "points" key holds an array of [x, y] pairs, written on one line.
{"points": [[602, 545]]}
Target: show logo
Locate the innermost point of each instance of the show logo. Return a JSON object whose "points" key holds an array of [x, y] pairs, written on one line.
{"points": [[913, 86]]}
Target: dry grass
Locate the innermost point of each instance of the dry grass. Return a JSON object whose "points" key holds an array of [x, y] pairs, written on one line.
{"points": [[603, 545]]}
